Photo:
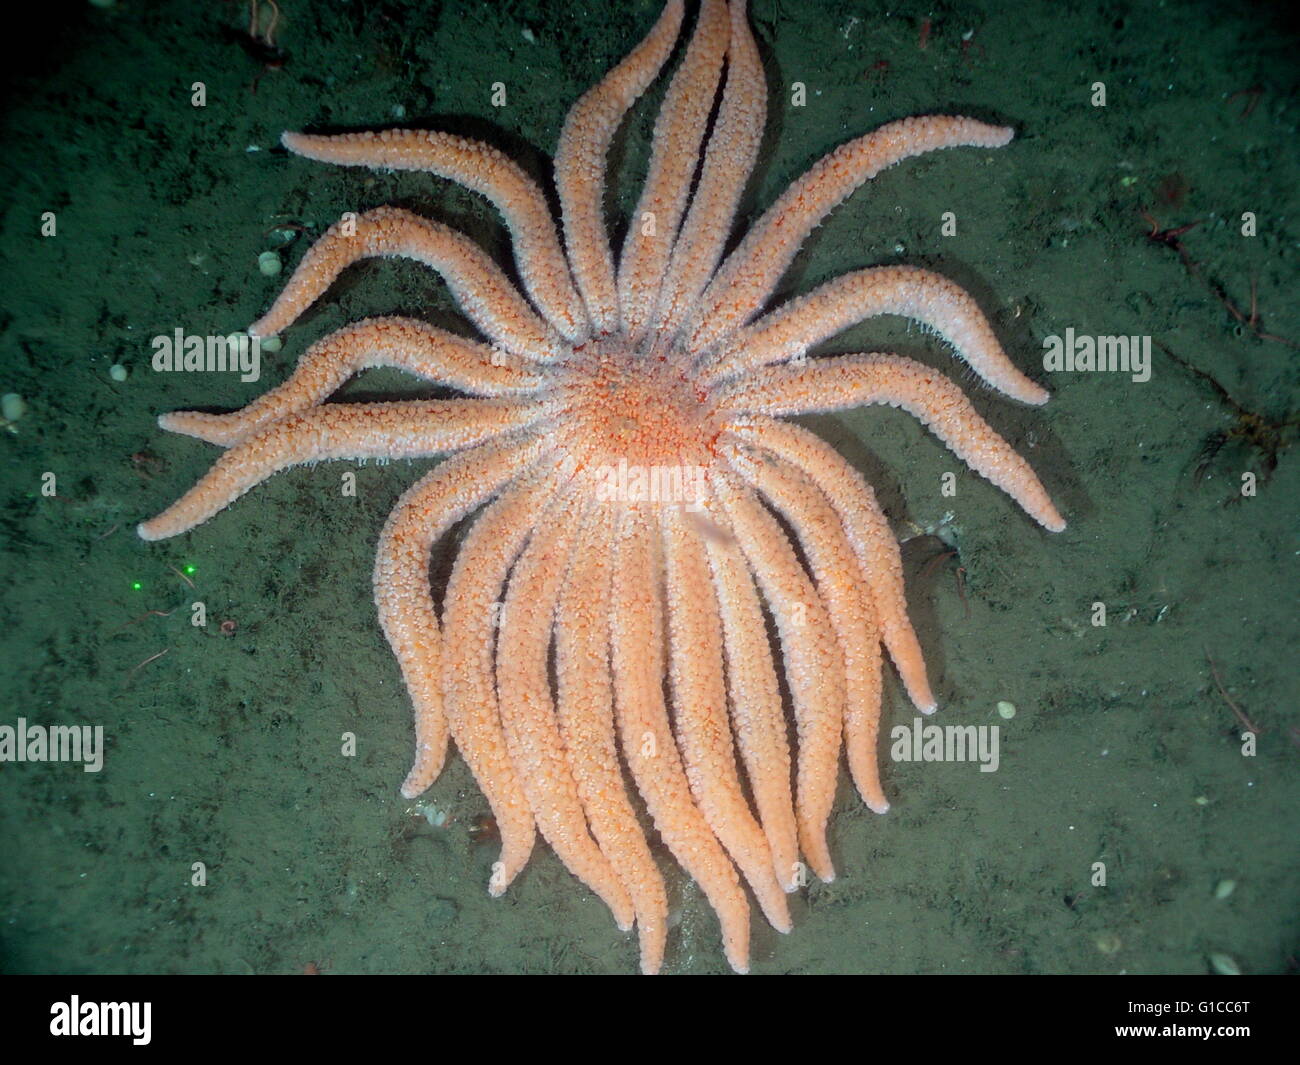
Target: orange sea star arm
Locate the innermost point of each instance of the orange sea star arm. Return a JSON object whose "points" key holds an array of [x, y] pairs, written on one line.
{"points": [[699, 696], [477, 284], [403, 343], [580, 165], [757, 714], [542, 266], [855, 380], [585, 709], [679, 131], [813, 665], [868, 531], [636, 637], [528, 710], [403, 597], [339, 431], [728, 162], [751, 272], [847, 596], [938, 304]]}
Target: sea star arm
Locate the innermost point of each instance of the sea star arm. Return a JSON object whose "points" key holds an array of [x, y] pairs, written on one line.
{"points": [[679, 129], [814, 668], [868, 532], [339, 431], [848, 602], [934, 301], [580, 165], [728, 162], [477, 284], [699, 696], [528, 713], [636, 636], [403, 598], [585, 709], [754, 690], [470, 611], [855, 380], [404, 343], [752, 271], [488, 171]]}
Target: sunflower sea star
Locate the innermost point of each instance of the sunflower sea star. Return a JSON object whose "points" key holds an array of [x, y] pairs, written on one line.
{"points": [[659, 362]]}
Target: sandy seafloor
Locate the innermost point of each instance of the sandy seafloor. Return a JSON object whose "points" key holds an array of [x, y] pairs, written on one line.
{"points": [[226, 749]]}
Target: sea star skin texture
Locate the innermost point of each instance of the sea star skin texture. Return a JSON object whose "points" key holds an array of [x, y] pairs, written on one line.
{"points": [[582, 629], [584, 705]]}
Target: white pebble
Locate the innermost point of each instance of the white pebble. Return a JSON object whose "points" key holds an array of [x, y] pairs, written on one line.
{"points": [[1108, 943], [1006, 710], [118, 372], [1224, 964], [269, 263], [436, 817], [1224, 888], [271, 344], [12, 406]]}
